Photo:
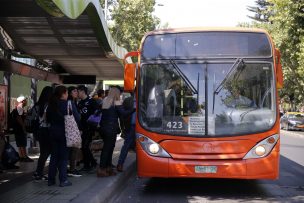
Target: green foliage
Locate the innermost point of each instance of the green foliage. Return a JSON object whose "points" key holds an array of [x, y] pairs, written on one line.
{"points": [[132, 19], [110, 5], [286, 26]]}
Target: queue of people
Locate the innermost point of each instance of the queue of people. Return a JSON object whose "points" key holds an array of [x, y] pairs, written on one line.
{"points": [[52, 106]]}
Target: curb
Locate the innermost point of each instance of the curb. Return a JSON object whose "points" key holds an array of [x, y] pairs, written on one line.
{"points": [[103, 189]]}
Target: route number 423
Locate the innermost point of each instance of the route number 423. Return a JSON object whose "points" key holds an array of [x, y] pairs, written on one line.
{"points": [[175, 125]]}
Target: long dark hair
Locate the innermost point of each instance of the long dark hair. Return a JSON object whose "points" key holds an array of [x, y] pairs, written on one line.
{"points": [[58, 92], [70, 89], [44, 98]]}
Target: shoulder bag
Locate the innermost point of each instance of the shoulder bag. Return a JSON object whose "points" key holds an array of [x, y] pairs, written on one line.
{"points": [[72, 133]]}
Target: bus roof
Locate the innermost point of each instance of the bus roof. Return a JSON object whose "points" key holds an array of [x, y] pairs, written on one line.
{"points": [[206, 29]]}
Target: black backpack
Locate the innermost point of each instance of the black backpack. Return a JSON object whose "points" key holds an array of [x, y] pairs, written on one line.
{"points": [[31, 121]]}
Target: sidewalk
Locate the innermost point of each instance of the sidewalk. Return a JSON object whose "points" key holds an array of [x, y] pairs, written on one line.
{"points": [[87, 188]]}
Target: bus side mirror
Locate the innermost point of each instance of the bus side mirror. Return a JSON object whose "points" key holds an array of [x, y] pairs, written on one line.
{"points": [[279, 71], [129, 77], [130, 72]]}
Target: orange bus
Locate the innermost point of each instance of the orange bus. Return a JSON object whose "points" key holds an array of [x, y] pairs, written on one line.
{"points": [[207, 103]]}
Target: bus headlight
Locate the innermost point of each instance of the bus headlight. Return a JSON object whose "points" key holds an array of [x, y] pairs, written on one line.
{"points": [[151, 147], [260, 150], [263, 148], [154, 148]]}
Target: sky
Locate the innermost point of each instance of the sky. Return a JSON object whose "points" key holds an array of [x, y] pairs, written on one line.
{"points": [[203, 13]]}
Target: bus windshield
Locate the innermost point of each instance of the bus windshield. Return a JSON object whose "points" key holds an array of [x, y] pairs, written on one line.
{"points": [[243, 104]]}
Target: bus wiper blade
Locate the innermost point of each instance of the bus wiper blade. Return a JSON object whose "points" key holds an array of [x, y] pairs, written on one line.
{"points": [[188, 83], [237, 63]]}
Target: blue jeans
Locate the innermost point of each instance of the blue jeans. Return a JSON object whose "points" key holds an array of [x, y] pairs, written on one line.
{"points": [[59, 159], [109, 140], [129, 142], [45, 149]]}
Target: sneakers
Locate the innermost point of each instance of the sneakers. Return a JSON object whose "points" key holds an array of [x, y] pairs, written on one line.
{"points": [[26, 159], [74, 173], [38, 177], [65, 183]]}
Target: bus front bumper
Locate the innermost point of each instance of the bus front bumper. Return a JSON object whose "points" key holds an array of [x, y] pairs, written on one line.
{"points": [[262, 168]]}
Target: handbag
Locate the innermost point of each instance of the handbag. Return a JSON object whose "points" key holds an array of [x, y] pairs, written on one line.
{"points": [[94, 119], [72, 133], [10, 156]]}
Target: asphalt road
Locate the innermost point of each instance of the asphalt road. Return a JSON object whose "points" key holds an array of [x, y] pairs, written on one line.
{"points": [[288, 188]]}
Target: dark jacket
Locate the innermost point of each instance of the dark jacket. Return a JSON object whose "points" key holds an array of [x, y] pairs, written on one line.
{"points": [[86, 108], [109, 121], [55, 116]]}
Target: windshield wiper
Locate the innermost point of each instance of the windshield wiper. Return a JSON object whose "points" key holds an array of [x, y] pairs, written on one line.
{"points": [[181, 74], [236, 64], [239, 62]]}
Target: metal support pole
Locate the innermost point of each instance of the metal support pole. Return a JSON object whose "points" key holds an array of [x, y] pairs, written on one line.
{"points": [[7, 81], [34, 83]]}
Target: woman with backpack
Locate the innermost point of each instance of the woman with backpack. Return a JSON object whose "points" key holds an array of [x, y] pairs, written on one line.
{"points": [[42, 133]]}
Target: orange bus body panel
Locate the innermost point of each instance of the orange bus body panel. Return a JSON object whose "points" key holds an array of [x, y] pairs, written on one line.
{"points": [[232, 149], [263, 168], [229, 165], [129, 76]]}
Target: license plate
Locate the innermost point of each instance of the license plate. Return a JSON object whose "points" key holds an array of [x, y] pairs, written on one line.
{"points": [[205, 169]]}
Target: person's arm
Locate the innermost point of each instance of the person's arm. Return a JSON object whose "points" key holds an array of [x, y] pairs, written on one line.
{"points": [[94, 106], [123, 112], [75, 113]]}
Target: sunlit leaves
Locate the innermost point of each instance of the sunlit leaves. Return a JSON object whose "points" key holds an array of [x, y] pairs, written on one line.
{"points": [[132, 19], [286, 26]]}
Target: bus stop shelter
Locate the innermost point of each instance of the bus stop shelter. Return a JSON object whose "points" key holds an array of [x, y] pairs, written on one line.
{"points": [[70, 35]]}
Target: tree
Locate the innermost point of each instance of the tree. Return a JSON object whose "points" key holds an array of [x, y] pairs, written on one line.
{"points": [[286, 26], [261, 11], [131, 20], [288, 33], [110, 5]]}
